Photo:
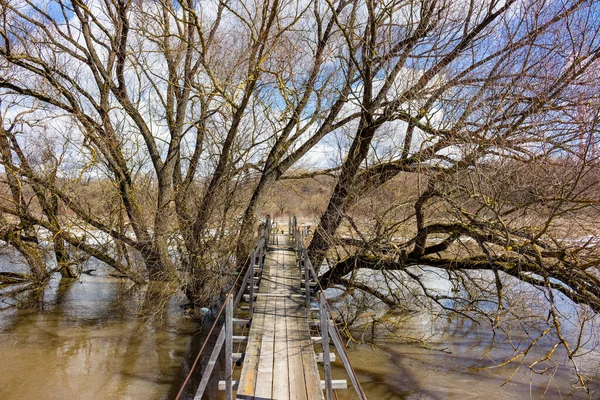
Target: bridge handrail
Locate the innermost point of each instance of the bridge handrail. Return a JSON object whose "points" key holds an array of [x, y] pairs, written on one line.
{"points": [[229, 305], [328, 327]]}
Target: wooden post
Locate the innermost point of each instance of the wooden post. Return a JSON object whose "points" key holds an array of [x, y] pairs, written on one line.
{"points": [[325, 343], [228, 347], [251, 299]]}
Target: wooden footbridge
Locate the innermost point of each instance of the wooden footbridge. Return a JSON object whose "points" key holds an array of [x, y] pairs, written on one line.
{"points": [[273, 299]]}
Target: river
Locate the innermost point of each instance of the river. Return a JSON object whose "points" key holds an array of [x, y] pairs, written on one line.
{"points": [[104, 338]]}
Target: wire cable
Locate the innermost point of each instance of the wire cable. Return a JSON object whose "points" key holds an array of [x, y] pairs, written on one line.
{"points": [[185, 382]]}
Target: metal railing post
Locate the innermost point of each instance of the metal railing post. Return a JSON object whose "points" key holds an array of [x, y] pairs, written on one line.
{"points": [[337, 341], [307, 282], [299, 245], [251, 299], [229, 347], [261, 259], [242, 289], [261, 254], [325, 344], [300, 260], [294, 227], [268, 229]]}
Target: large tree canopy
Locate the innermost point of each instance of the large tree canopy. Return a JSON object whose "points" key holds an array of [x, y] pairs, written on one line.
{"points": [[146, 134]]}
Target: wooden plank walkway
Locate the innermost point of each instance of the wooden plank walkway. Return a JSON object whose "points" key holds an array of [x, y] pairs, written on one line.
{"points": [[280, 361]]}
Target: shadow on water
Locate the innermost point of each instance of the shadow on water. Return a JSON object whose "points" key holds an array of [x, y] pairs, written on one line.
{"points": [[459, 363]]}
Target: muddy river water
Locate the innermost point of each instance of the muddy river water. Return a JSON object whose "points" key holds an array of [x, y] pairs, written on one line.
{"points": [[458, 364], [102, 338]]}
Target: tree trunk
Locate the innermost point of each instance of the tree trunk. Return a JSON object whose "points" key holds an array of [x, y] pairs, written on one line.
{"points": [[63, 259], [332, 218]]}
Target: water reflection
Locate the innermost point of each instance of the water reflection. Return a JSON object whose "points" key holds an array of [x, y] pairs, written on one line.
{"points": [[458, 362], [103, 338], [95, 338], [452, 357], [451, 370]]}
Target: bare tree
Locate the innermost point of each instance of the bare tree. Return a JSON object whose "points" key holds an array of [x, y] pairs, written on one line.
{"points": [[179, 102], [181, 116], [496, 116]]}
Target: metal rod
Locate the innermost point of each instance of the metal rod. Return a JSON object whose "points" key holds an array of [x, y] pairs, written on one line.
{"points": [[261, 256], [229, 347], [299, 244], [211, 365], [300, 258], [306, 282], [342, 354], [251, 300], [250, 270], [325, 343]]}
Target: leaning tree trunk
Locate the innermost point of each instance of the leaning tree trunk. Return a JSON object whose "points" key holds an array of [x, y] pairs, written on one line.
{"points": [[332, 218]]}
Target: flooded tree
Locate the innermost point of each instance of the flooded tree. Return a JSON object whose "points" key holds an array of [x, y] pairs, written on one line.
{"points": [[168, 109], [145, 134], [497, 110]]}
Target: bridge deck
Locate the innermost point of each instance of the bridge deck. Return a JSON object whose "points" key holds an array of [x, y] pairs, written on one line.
{"points": [[280, 359]]}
